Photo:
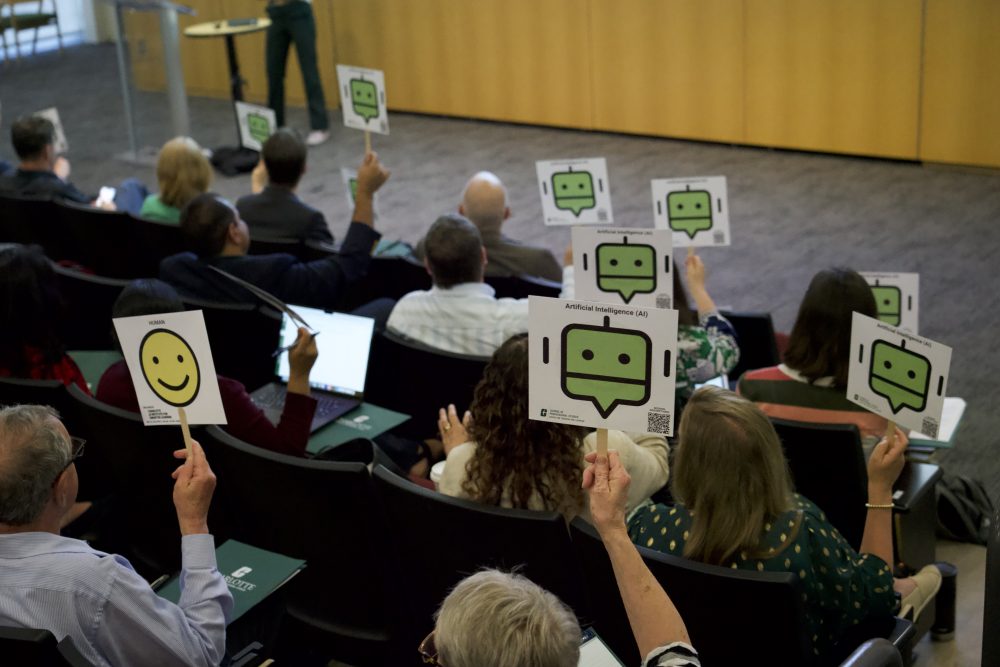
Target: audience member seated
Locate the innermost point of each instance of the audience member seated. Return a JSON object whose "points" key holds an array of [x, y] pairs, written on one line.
{"points": [[6, 167], [64, 586], [244, 419], [484, 203], [811, 384], [183, 172], [496, 455], [43, 173], [274, 210], [736, 509], [219, 238], [30, 316], [460, 313], [706, 341], [495, 619]]}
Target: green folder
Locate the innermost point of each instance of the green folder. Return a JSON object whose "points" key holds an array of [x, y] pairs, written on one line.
{"points": [[364, 421], [251, 574]]}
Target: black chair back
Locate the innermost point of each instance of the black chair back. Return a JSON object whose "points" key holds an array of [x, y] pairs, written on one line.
{"points": [[325, 513], [153, 241], [39, 648], [133, 463], [755, 335], [828, 467], [18, 391], [243, 338], [390, 277], [875, 653], [30, 220], [536, 543], [522, 286], [991, 610], [87, 304], [730, 614], [260, 245], [99, 240], [418, 380]]}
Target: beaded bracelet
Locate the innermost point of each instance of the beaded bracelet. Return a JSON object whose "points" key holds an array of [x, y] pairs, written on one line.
{"points": [[875, 506]]}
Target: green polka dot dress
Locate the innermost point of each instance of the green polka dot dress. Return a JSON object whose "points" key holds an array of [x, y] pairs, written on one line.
{"points": [[840, 587]]}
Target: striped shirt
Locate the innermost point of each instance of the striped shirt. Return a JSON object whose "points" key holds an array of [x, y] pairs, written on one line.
{"points": [[677, 654], [466, 318], [112, 615]]}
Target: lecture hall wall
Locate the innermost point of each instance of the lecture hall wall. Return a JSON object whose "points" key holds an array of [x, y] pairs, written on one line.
{"points": [[910, 79]]}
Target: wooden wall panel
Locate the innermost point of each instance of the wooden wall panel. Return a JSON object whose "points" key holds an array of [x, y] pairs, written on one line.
{"points": [[961, 93], [669, 67], [841, 76]]}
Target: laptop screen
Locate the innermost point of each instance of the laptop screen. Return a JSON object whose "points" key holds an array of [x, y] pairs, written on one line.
{"points": [[344, 342]]}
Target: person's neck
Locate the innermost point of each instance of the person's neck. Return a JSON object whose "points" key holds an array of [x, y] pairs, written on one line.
{"points": [[48, 522], [490, 229], [34, 165], [231, 250], [282, 186]]}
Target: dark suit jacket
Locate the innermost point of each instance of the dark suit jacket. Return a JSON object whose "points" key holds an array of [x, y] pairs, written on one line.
{"points": [[41, 184], [507, 257], [277, 213], [318, 284]]}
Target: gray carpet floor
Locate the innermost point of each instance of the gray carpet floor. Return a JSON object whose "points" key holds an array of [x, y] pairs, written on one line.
{"points": [[792, 213]]}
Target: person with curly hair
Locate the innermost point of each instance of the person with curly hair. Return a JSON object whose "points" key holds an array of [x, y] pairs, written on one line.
{"points": [[498, 456]]}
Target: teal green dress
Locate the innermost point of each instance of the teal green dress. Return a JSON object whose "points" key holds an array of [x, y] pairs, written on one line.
{"points": [[156, 210], [840, 587]]}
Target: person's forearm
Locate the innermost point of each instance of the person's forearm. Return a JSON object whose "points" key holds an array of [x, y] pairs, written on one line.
{"points": [[877, 538], [298, 383], [703, 302], [654, 619], [364, 210]]}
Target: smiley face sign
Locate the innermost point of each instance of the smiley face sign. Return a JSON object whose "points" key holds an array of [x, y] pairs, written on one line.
{"points": [[601, 365], [170, 362], [898, 375]]}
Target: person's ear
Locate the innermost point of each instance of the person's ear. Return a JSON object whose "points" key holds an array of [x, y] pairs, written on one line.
{"points": [[233, 233], [427, 266], [485, 260], [62, 489], [461, 209], [506, 212]]}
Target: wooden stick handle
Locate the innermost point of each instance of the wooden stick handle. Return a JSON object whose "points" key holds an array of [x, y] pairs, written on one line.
{"points": [[368, 142], [890, 430], [185, 429], [602, 442], [690, 251]]}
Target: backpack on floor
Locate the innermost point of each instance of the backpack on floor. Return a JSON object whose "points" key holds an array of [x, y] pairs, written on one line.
{"points": [[965, 511]]}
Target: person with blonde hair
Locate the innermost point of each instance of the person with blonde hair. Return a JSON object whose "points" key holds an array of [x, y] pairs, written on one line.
{"points": [[736, 508], [183, 173]]}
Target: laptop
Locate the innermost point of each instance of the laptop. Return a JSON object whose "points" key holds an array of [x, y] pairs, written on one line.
{"points": [[338, 377]]}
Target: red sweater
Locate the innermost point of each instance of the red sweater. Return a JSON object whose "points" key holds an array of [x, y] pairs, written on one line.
{"points": [[65, 369], [246, 421]]}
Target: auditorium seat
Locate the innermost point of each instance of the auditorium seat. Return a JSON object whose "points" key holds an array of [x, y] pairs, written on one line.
{"points": [[757, 341], [97, 239], [260, 245], [389, 277], [522, 286], [38, 648], [29, 220], [87, 305]]}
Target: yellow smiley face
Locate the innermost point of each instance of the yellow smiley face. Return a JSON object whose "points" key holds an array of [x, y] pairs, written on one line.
{"points": [[170, 367]]}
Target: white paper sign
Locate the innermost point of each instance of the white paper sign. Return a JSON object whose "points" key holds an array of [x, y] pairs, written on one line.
{"points": [[257, 123], [602, 365], [170, 361], [898, 375], [575, 192], [695, 209], [350, 178], [896, 296], [618, 265], [362, 98], [52, 115]]}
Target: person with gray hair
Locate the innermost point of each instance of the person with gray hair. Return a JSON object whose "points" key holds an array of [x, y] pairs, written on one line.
{"points": [[495, 619], [64, 586], [460, 313], [484, 203]]}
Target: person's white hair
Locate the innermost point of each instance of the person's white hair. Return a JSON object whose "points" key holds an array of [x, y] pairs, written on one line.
{"points": [[495, 619], [33, 451]]}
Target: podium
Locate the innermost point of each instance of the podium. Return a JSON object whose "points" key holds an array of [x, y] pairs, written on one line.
{"points": [[176, 95]]}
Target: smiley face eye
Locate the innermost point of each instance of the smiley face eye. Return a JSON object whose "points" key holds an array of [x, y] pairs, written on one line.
{"points": [[156, 360], [180, 359]]}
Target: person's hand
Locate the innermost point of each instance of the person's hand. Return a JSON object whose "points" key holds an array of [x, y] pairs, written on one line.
{"points": [[885, 464], [371, 174], [61, 168], [695, 272], [258, 177], [302, 357], [104, 205], [453, 432], [193, 487], [568, 255], [607, 481]]}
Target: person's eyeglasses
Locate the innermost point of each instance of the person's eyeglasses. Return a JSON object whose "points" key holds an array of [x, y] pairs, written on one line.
{"points": [[77, 445], [427, 650]]}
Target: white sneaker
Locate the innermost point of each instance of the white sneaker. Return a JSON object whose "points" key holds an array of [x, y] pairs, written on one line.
{"points": [[317, 137]]}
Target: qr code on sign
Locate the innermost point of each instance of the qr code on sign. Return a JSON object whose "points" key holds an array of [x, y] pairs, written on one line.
{"points": [[602, 215], [662, 301], [658, 422], [719, 237], [929, 427]]}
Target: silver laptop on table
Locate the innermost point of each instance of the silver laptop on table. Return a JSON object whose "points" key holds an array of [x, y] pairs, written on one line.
{"points": [[337, 379]]}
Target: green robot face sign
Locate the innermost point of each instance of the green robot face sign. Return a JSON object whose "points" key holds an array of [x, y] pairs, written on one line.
{"points": [[899, 375], [888, 300], [689, 211], [259, 127], [626, 269], [573, 191], [606, 366], [364, 98]]}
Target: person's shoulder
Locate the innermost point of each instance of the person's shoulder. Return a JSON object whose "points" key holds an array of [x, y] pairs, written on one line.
{"points": [[771, 374]]}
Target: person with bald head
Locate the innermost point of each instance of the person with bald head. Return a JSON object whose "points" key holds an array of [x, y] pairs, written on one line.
{"points": [[484, 202], [59, 584]]}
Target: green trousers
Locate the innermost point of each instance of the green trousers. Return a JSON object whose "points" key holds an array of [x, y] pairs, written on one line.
{"points": [[294, 22]]}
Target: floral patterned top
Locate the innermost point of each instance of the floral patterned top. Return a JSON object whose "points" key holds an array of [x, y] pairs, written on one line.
{"points": [[704, 352], [840, 587]]}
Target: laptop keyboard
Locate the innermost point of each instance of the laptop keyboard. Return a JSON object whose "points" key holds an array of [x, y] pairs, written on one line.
{"points": [[271, 399]]}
